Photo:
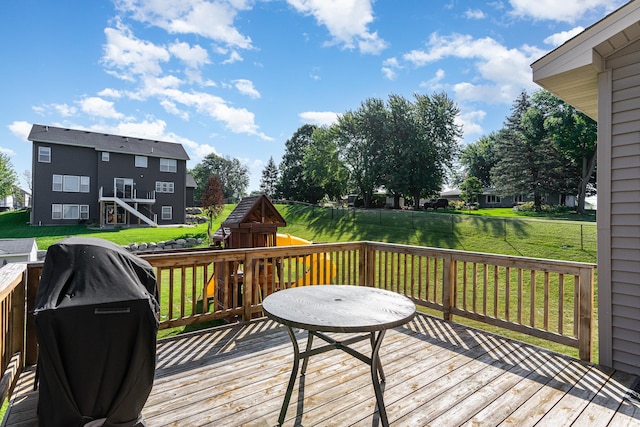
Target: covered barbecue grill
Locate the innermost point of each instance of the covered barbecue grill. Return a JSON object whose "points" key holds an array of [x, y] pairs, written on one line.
{"points": [[96, 318]]}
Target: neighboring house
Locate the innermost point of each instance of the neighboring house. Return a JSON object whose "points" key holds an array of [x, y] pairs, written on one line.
{"points": [[598, 72], [191, 187], [20, 200], [18, 250], [490, 199], [94, 178]]}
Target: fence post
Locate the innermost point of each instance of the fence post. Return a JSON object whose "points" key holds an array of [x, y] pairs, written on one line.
{"points": [[585, 318]]}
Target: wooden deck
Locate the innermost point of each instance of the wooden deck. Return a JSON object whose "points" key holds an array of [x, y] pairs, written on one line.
{"points": [[438, 373]]}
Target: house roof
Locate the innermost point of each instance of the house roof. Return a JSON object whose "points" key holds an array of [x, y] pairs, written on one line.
{"points": [[16, 246], [571, 71], [254, 210], [107, 142], [191, 182]]}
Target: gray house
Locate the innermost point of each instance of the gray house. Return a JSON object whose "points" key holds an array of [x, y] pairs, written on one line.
{"points": [[94, 178], [598, 72]]}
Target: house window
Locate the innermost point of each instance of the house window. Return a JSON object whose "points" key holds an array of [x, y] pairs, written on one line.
{"points": [[141, 161], [44, 154], [105, 156], [57, 183], [71, 184], [493, 199], [84, 211], [84, 184], [519, 198], [56, 211], [168, 165], [167, 212], [164, 187], [70, 212]]}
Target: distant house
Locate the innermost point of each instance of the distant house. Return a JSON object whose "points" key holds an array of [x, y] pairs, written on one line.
{"points": [[81, 176], [191, 187], [21, 199], [18, 250], [491, 199], [598, 72]]}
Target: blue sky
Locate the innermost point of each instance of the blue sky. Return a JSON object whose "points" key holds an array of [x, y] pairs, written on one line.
{"points": [[238, 77]]}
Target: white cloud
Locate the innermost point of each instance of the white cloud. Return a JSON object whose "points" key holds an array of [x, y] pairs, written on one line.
{"points": [[7, 151], [390, 67], [347, 21], [562, 11], [21, 129], [233, 57], [128, 56], [471, 123], [558, 38], [171, 108], [474, 14], [110, 93], [434, 83], [319, 118], [65, 110], [245, 87], [193, 57], [502, 72], [211, 19], [95, 106]]}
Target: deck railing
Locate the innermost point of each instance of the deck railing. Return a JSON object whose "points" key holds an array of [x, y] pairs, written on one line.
{"points": [[552, 300]]}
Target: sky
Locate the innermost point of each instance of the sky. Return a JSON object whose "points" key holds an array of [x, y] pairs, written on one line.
{"points": [[238, 77]]}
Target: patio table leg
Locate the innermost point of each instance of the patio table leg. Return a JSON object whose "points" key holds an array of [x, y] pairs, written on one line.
{"points": [[376, 368], [294, 374]]}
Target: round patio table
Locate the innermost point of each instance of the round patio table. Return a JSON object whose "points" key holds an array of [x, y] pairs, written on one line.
{"points": [[366, 311]]}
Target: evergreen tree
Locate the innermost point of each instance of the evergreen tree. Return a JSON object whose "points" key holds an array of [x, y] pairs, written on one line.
{"points": [[528, 161], [269, 179]]}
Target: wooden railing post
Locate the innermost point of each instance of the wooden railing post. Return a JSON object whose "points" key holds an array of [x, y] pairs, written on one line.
{"points": [[585, 326], [31, 345], [18, 319], [247, 286], [363, 267], [448, 295]]}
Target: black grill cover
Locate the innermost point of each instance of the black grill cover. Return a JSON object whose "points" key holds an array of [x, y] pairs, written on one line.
{"points": [[96, 318]]}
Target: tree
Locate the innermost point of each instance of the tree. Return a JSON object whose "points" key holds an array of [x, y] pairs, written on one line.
{"points": [[8, 177], [234, 177], [471, 189], [403, 138], [269, 179], [528, 162], [291, 184], [438, 145], [479, 157], [574, 135], [212, 201], [361, 140], [322, 168]]}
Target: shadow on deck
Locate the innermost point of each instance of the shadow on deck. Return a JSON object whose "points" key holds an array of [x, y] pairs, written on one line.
{"points": [[438, 373]]}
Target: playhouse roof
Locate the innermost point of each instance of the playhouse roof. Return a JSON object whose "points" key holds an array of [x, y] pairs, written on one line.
{"points": [[254, 210]]}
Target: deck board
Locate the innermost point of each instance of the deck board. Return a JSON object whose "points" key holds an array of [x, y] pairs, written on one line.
{"points": [[438, 373]]}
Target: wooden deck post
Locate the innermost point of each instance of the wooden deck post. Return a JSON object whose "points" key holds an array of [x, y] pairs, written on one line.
{"points": [[585, 329], [448, 294], [247, 286], [31, 345]]}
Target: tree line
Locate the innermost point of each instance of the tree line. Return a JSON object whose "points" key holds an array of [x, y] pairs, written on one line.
{"points": [[411, 148]]}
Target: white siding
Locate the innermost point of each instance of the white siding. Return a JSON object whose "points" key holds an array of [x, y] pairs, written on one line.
{"points": [[624, 213]]}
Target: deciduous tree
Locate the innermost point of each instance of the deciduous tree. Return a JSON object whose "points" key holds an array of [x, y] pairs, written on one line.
{"points": [[234, 177], [8, 177]]}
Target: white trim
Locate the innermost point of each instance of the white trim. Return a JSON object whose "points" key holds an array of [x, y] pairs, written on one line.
{"points": [[605, 321]]}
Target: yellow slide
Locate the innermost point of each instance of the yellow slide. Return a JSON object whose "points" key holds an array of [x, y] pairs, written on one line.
{"points": [[318, 261]]}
